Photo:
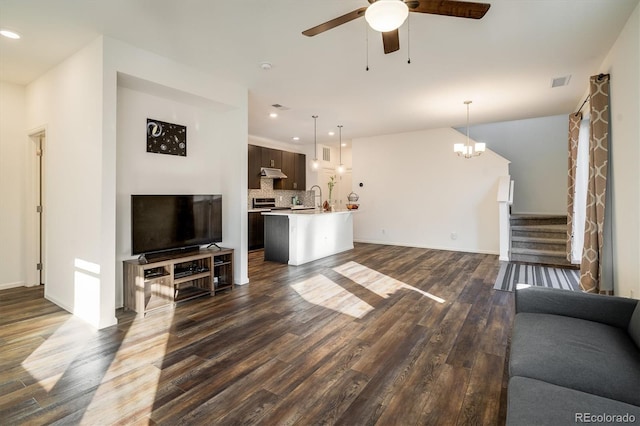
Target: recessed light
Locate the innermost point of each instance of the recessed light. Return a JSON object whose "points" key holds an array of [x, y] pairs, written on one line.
{"points": [[10, 34], [273, 114], [295, 138], [332, 133], [266, 66]]}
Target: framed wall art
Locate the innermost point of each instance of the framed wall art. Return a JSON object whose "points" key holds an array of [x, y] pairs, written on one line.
{"points": [[166, 138]]}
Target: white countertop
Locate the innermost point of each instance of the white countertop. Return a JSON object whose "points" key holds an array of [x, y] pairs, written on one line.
{"points": [[281, 209], [303, 212]]}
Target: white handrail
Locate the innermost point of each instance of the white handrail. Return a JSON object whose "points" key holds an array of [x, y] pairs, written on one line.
{"points": [[505, 199]]}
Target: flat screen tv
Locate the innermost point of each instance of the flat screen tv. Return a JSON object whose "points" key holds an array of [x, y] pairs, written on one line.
{"points": [[169, 222]]}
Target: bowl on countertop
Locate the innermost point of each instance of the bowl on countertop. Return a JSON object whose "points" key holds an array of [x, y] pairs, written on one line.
{"points": [[352, 206]]}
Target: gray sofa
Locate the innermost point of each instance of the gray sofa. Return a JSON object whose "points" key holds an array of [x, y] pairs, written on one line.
{"points": [[575, 358]]}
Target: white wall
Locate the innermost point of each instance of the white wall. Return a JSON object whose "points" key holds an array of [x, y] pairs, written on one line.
{"points": [[416, 192], [215, 113], [68, 101], [537, 149], [140, 172], [623, 63], [14, 160]]}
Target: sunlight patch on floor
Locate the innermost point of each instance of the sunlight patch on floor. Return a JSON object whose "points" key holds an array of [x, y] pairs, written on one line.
{"points": [[132, 367], [39, 363], [380, 284], [322, 291]]}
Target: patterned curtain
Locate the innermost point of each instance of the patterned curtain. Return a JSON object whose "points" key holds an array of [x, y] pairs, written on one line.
{"points": [[574, 132], [591, 270]]}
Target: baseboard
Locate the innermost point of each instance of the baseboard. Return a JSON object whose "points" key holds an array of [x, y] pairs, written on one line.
{"points": [[5, 286], [404, 244], [57, 302]]}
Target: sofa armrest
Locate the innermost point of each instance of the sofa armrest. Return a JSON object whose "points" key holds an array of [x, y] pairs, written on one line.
{"points": [[611, 310]]}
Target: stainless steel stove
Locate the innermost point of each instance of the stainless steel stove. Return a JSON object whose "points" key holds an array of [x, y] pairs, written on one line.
{"points": [[263, 203]]}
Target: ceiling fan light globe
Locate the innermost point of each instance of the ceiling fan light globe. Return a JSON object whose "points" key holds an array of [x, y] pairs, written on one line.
{"points": [[386, 15]]}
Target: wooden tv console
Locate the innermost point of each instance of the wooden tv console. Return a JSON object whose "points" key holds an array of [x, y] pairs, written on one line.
{"points": [[168, 280]]}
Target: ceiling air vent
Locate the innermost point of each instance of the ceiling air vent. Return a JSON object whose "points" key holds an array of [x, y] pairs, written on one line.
{"points": [[326, 154], [280, 107], [560, 81]]}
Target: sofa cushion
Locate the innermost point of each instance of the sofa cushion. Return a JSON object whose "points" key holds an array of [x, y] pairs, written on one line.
{"points": [[634, 326], [583, 355], [532, 402]]}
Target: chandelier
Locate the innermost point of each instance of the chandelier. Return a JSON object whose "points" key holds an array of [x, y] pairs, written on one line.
{"points": [[467, 150]]}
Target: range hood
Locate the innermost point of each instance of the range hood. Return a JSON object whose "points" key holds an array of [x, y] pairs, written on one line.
{"points": [[272, 173]]}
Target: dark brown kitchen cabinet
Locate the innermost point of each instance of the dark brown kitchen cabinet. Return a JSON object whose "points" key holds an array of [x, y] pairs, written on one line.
{"points": [[256, 231], [255, 162], [271, 158], [289, 169], [301, 172], [294, 166]]}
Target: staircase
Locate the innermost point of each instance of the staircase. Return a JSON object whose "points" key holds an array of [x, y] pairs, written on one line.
{"points": [[539, 239]]}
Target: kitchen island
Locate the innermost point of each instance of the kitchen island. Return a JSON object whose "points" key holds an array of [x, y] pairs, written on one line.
{"points": [[298, 237]]}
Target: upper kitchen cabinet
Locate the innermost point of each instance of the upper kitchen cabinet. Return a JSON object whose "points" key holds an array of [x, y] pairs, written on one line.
{"points": [[294, 166], [301, 171], [255, 162], [271, 158]]}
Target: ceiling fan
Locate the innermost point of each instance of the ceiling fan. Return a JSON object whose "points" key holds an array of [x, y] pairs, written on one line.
{"points": [[387, 16]]}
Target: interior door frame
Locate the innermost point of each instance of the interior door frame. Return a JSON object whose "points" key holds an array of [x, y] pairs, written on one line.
{"points": [[36, 231]]}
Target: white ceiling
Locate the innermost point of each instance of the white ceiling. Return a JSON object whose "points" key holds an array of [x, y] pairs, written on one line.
{"points": [[504, 62]]}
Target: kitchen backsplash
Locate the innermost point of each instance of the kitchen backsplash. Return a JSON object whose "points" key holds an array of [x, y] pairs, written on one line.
{"points": [[266, 191]]}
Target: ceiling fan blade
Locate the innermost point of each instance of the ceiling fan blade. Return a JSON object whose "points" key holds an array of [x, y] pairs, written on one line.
{"points": [[391, 41], [460, 9], [335, 22]]}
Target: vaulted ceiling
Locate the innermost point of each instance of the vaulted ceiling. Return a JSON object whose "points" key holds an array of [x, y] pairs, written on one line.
{"points": [[504, 63]]}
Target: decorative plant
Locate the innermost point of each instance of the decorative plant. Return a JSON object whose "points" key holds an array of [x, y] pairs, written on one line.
{"points": [[331, 184]]}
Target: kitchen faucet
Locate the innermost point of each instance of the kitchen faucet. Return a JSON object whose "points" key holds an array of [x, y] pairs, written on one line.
{"points": [[319, 205]]}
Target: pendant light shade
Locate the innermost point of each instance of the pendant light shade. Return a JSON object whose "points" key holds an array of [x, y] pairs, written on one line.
{"points": [[386, 15], [340, 168], [315, 164]]}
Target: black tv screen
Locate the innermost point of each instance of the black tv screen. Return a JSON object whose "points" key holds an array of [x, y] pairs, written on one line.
{"points": [[165, 222]]}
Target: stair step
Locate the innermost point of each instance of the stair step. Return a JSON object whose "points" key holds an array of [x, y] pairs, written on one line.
{"points": [[538, 219], [538, 228], [546, 246], [542, 260], [537, 252], [539, 231], [539, 240]]}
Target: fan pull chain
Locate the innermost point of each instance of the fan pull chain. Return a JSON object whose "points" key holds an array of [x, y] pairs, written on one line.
{"points": [[366, 32], [409, 39]]}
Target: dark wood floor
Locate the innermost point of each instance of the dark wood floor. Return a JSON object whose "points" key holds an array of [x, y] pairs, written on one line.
{"points": [[380, 335]]}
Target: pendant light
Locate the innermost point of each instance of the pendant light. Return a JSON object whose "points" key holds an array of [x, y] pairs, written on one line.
{"points": [[466, 150], [315, 164], [340, 168]]}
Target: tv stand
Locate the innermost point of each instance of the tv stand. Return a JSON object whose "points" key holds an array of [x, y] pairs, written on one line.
{"points": [[169, 279]]}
